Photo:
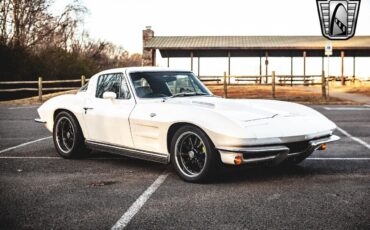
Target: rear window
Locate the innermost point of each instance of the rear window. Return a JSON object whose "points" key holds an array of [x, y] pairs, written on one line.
{"points": [[84, 88]]}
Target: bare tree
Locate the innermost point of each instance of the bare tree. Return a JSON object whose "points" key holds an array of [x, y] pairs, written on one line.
{"points": [[4, 19], [29, 23], [54, 46]]}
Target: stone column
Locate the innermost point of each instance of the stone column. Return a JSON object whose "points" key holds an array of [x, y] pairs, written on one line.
{"points": [[148, 54]]}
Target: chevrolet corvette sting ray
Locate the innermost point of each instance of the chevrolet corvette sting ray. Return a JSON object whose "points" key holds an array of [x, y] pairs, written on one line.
{"points": [[167, 115]]}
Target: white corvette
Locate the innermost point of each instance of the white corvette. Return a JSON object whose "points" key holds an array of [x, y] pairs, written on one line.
{"points": [[168, 116]]}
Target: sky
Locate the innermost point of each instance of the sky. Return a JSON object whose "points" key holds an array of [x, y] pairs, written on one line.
{"points": [[122, 22]]}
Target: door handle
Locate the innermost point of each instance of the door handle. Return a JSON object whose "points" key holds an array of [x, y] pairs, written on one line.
{"points": [[87, 108]]}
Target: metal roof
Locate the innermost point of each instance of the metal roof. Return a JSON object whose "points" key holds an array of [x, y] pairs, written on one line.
{"points": [[178, 46]]}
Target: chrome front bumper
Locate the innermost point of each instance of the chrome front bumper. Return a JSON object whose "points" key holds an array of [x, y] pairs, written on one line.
{"points": [[274, 153], [38, 120]]}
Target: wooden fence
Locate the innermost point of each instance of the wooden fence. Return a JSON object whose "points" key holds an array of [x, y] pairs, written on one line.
{"points": [[282, 80], [269, 80], [40, 85]]}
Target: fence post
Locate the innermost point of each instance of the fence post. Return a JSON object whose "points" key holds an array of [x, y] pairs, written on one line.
{"points": [[291, 81], [273, 84], [323, 85], [225, 85], [304, 68], [83, 80], [40, 88]]}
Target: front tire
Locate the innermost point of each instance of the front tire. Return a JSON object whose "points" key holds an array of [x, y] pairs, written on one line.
{"points": [[193, 155], [67, 136]]}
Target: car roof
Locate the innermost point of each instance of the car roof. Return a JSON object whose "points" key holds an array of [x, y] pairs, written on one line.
{"points": [[142, 69]]}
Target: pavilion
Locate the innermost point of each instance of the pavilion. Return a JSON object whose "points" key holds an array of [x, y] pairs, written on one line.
{"points": [[251, 46]]}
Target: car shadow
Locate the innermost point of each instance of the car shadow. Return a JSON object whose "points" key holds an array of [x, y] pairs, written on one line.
{"points": [[122, 160], [229, 174], [263, 173], [233, 174]]}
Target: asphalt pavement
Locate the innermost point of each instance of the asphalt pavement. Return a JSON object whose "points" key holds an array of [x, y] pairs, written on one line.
{"points": [[39, 190]]}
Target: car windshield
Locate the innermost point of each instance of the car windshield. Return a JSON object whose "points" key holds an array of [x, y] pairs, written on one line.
{"points": [[167, 84]]}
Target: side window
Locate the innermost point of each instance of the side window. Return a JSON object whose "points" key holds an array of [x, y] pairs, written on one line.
{"points": [[112, 83], [142, 87]]}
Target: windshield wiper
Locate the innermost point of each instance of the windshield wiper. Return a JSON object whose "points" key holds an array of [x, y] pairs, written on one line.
{"points": [[187, 94]]}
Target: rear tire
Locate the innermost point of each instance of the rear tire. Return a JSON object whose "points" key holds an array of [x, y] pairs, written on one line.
{"points": [[67, 136], [193, 155]]}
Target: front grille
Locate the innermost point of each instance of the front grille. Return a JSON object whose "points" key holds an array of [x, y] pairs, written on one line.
{"points": [[249, 155], [296, 147]]}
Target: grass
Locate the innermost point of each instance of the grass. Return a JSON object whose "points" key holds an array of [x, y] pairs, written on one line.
{"points": [[363, 89], [35, 100], [285, 93]]}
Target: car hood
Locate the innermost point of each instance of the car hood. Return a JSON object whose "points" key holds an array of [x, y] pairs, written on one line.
{"points": [[247, 109]]}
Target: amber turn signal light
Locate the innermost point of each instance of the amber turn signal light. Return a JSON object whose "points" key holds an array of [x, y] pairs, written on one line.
{"points": [[323, 147], [238, 160]]}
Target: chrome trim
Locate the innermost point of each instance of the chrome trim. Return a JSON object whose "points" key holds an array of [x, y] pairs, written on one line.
{"points": [[128, 152], [279, 152], [283, 140], [324, 140], [258, 149], [315, 144], [252, 160], [38, 120]]}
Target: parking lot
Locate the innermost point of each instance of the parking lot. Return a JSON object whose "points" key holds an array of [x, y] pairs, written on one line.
{"points": [[39, 190]]}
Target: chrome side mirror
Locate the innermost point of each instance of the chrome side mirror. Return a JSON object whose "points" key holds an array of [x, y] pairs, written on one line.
{"points": [[109, 95]]}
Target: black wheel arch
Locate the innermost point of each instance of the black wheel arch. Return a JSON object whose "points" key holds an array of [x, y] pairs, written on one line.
{"points": [[58, 111], [176, 126], [79, 148]]}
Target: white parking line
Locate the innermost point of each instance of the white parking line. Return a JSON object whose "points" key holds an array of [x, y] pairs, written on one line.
{"points": [[139, 203], [24, 144], [340, 158], [21, 157], [347, 108], [41, 157], [358, 140], [24, 107]]}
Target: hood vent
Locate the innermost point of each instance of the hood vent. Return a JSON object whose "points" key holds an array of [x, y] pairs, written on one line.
{"points": [[210, 105]]}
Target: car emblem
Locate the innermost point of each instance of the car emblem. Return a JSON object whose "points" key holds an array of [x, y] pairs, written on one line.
{"points": [[338, 18]]}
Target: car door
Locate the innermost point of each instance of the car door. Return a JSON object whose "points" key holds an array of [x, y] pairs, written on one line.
{"points": [[107, 120]]}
